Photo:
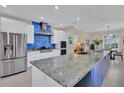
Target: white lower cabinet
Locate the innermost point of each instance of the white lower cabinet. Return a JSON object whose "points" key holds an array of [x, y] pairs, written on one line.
{"points": [[36, 55]]}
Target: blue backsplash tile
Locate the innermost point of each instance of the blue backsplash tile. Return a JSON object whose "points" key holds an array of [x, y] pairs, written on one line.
{"points": [[30, 46], [40, 40]]}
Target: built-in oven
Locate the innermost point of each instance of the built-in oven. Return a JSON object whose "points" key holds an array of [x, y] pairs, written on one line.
{"points": [[63, 51], [63, 47], [63, 44]]}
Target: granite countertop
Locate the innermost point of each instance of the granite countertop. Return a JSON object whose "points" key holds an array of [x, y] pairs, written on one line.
{"points": [[68, 70]]}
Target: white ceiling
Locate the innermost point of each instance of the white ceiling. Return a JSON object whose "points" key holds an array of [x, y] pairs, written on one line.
{"points": [[92, 17]]}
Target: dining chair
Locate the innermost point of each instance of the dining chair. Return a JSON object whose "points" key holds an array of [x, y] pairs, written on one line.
{"points": [[119, 53]]}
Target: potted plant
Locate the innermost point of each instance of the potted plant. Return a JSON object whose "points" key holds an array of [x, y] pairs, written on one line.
{"points": [[97, 42]]}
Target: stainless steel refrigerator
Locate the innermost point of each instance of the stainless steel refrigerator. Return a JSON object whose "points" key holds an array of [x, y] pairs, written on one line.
{"points": [[13, 53]]}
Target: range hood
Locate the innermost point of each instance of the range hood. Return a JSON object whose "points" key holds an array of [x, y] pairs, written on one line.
{"points": [[44, 29]]}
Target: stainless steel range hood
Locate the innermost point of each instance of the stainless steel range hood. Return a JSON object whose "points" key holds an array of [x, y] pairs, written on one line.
{"points": [[44, 29], [45, 32]]}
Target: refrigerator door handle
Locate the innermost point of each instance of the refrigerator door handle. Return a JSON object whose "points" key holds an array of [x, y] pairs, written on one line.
{"points": [[12, 49], [4, 50]]}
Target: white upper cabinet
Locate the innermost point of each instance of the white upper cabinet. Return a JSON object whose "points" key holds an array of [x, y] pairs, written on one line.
{"points": [[30, 33], [11, 25], [58, 36], [16, 26], [62, 35], [55, 38]]}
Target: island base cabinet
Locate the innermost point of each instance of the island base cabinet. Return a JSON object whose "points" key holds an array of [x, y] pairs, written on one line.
{"points": [[39, 79], [96, 76]]}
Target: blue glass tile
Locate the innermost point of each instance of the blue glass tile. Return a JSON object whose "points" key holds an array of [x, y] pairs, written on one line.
{"points": [[30, 46], [42, 41]]}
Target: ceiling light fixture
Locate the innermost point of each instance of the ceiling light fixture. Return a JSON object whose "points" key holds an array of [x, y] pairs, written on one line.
{"points": [[78, 18], [109, 35], [56, 7], [108, 29], [42, 18]]}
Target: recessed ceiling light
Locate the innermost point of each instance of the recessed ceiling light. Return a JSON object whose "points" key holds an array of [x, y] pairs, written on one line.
{"points": [[4, 5], [78, 18], [56, 7]]}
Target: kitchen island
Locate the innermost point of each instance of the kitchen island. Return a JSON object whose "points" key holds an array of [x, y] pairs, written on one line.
{"points": [[71, 70], [33, 55]]}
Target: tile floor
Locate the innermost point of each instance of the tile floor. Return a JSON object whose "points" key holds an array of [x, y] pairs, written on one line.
{"points": [[19, 80], [114, 78]]}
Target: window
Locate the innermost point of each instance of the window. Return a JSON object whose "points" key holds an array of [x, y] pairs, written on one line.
{"points": [[111, 41]]}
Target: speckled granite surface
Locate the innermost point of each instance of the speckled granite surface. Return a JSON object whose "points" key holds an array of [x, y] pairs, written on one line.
{"points": [[67, 70]]}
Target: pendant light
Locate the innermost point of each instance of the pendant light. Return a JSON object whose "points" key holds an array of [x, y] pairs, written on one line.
{"points": [[109, 31], [108, 36]]}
